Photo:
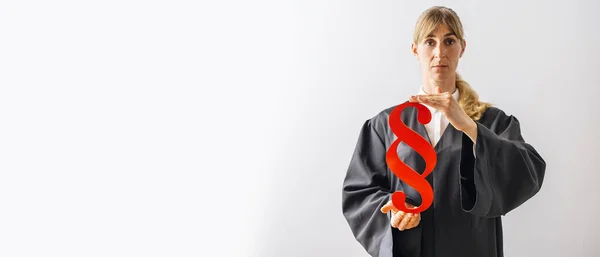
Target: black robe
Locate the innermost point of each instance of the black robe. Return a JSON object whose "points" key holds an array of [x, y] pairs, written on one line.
{"points": [[471, 192]]}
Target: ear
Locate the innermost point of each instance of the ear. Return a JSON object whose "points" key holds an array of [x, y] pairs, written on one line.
{"points": [[464, 45], [414, 50]]}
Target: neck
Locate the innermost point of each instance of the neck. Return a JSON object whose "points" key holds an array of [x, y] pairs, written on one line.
{"points": [[447, 85]]}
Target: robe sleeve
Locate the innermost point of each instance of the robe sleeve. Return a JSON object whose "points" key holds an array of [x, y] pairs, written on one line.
{"points": [[506, 173], [366, 188]]}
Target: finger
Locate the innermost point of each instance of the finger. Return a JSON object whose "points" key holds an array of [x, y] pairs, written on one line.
{"points": [[408, 219], [389, 206], [438, 103], [397, 218], [417, 220], [410, 223], [436, 98], [430, 102], [405, 221], [437, 93], [421, 98], [414, 221], [410, 206]]}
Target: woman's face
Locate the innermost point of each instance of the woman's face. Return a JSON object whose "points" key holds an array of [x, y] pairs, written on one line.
{"points": [[438, 53]]}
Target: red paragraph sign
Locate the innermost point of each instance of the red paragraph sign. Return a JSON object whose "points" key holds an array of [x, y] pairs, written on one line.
{"points": [[422, 147]]}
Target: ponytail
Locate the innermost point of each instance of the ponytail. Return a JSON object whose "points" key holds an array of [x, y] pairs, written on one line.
{"points": [[469, 100]]}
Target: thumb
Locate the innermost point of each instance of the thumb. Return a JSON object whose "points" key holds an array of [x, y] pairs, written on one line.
{"points": [[410, 206], [389, 206], [438, 90]]}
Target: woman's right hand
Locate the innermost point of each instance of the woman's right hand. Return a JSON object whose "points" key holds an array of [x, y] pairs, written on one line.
{"points": [[400, 219]]}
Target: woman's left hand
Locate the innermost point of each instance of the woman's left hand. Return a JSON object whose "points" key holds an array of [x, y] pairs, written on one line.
{"points": [[444, 102]]}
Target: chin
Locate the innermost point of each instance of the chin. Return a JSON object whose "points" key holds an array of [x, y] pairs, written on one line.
{"points": [[441, 76], [438, 77]]}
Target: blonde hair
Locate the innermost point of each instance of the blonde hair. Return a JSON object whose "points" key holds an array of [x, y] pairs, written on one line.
{"points": [[429, 22]]}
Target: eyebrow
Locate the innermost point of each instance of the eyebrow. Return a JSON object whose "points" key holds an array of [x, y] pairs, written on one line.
{"points": [[447, 34]]}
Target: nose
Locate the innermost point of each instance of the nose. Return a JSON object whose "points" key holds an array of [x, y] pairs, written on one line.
{"points": [[439, 51]]}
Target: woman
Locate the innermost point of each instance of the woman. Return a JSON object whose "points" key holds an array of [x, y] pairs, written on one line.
{"points": [[484, 167]]}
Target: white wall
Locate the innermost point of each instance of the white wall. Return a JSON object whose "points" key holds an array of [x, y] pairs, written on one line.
{"points": [[225, 128]]}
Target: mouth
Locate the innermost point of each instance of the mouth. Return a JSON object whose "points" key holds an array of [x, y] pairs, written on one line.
{"points": [[440, 66]]}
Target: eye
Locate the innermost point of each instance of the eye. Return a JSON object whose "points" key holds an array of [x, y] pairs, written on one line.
{"points": [[450, 41], [429, 42]]}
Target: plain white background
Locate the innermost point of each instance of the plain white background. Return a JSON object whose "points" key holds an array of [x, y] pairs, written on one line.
{"points": [[225, 128]]}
